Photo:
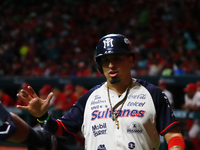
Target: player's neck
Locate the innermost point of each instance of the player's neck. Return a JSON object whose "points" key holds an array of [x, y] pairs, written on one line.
{"points": [[120, 87]]}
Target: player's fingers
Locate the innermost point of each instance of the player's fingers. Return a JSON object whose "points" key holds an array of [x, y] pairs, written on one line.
{"points": [[48, 99], [21, 96], [25, 94], [22, 107], [31, 90]]}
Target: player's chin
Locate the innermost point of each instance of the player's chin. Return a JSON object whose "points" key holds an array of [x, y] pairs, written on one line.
{"points": [[114, 80]]}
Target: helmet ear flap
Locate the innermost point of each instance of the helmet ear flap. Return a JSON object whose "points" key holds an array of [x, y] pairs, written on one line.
{"points": [[99, 68], [98, 65]]}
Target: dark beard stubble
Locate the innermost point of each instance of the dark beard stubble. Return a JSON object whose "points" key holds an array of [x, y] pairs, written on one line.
{"points": [[114, 80]]}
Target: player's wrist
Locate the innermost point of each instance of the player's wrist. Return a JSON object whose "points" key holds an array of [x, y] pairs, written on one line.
{"points": [[176, 143], [44, 118]]}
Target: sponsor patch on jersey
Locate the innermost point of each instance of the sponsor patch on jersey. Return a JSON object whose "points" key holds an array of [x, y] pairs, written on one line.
{"points": [[140, 96], [99, 129], [97, 100], [131, 145], [101, 147], [137, 104], [134, 127], [95, 107], [98, 107]]}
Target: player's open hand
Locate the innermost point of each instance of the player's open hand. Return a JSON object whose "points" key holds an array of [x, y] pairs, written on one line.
{"points": [[35, 105]]}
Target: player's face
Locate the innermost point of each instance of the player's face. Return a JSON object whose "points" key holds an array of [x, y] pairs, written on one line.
{"points": [[190, 94], [116, 67]]}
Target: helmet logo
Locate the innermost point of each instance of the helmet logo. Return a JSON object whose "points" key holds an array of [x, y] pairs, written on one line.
{"points": [[108, 42], [126, 41]]}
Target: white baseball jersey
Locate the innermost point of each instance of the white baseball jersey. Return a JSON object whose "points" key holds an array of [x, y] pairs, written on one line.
{"points": [[169, 96], [195, 100], [145, 115]]}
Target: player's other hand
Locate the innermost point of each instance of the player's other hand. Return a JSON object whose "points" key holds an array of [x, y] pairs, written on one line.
{"points": [[35, 105]]}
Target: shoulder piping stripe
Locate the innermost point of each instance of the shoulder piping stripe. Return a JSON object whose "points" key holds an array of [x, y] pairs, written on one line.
{"points": [[176, 122], [65, 127], [59, 130]]}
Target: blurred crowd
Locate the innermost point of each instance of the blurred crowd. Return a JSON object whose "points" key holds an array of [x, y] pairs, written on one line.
{"points": [[63, 98], [57, 38], [192, 103]]}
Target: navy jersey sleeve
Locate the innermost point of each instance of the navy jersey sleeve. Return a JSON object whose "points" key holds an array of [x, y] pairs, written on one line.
{"points": [[72, 121], [165, 119]]}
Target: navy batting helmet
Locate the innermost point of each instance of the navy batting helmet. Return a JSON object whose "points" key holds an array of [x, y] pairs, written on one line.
{"points": [[112, 44]]}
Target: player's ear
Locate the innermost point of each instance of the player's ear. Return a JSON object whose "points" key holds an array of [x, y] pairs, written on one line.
{"points": [[130, 58]]}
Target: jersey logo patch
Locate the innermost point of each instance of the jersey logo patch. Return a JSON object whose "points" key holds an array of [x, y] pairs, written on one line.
{"points": [[134, 127], [99, 129], [131, 145], [137, 104], [101, 147], [97, 100], [140, 96]]}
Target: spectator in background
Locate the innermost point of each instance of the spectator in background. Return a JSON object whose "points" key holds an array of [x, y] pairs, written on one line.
{"points": [[190, 96], [191, 41], [5, 99], [82, 70], [198, 86], [67, 104], [192, 103], [51, 49], [168, 69], [163, 87], [155, 64], [45, 90], [178, 68], [190, 91], [58, 98], [79, 91]]}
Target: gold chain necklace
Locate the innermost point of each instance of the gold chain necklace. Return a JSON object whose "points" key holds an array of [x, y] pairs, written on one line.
{"points": [[114, 115]]}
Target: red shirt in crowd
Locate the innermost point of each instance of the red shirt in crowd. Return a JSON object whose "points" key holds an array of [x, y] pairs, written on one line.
{"points": [[6, 100]]}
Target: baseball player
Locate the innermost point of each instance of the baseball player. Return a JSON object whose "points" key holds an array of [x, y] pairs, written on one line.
{"points": [[192, 103], [123, 113]]}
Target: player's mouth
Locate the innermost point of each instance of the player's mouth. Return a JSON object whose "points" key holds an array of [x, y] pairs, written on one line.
{"points": [[113, 73]]}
